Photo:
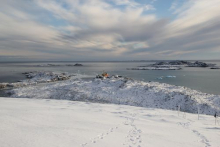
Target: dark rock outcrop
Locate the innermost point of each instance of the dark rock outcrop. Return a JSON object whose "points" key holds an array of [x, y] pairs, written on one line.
{"points": [[184, 63], [77, 64]]}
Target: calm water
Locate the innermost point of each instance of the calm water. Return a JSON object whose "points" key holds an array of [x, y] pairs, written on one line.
{"points": [[202, 79]]}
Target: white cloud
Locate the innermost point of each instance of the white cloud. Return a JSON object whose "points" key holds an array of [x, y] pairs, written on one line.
{"points": [[153, 1], [98, 28], [150, 7], [130, 3], [173, 6]]}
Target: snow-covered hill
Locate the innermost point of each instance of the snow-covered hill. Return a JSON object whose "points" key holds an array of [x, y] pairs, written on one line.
{"points": [[63, 123], [125, 91]]}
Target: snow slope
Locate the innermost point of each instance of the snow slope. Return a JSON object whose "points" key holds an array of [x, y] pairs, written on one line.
{"points": [[63, 123], [125, 91]]}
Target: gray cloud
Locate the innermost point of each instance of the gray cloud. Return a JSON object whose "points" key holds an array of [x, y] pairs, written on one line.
{"points": [[94, 29]]}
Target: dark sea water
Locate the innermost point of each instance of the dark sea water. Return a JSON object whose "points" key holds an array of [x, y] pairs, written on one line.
{"points": [[203, 79]]}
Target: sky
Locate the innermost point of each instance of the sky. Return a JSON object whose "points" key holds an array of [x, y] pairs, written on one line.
{"points": [[107, 30]]}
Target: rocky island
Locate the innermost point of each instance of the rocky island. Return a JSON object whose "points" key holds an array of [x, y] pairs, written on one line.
{"points": [[184, 63], [215, 68], [37, 77], [155, 68], [77, 64], [173, 65]]}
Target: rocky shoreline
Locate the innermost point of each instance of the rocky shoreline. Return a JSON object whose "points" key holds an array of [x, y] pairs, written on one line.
{"points": [[184, 63], [36, 77], [174, 65], [57, 65], [215, 68], [155, 68]]}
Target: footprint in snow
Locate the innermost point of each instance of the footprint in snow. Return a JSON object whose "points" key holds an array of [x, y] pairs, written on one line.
{"points": [[84, 144], [184, 125], [134, 134], [100, 137], [203, 139]]}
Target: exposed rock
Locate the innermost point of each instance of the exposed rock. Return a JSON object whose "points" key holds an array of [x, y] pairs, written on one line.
{"points": [[215, 68], [156, 68], [199, 64], [116, 76], [37, 77], [180, 64], [99, 77], [77, 64], [172, 63], [10, 85], [3, 85]]}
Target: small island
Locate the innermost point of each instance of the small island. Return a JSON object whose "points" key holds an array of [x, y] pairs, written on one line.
{"points": [[174, 65], [184, 63], [215, 68], [77, 64], [155, 68]]}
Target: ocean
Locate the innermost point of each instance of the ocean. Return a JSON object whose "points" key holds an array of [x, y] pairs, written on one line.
{"points": [[202, 79]]}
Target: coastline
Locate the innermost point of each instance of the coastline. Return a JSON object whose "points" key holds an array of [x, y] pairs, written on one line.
{"points": [[122, 90], [85, 111], [201, 79]]}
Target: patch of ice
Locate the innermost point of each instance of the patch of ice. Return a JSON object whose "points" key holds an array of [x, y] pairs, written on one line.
{"points": [[170, 76], [162, 77]]}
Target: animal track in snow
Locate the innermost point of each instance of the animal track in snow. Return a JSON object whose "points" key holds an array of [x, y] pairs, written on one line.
{"points": [[203, 139], [184, 125], [100, 137], [134, 134]]}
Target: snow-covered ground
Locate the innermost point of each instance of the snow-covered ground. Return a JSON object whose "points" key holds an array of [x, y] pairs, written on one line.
{"points": [[150, 120], [125, 91], [64, 123], [37, 77]]}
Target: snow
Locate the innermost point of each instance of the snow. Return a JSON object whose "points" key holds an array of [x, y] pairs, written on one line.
{"points": [[170, 76], [37, 77], [56, 123], [49, 76], [71, 112], [162, 77], [125, 91]]}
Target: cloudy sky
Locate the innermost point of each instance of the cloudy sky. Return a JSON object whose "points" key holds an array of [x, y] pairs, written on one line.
{"points": [[109, 29]]}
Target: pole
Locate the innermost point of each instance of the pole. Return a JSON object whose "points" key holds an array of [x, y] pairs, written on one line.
{"points": [[198, 112], [178, 110]]}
